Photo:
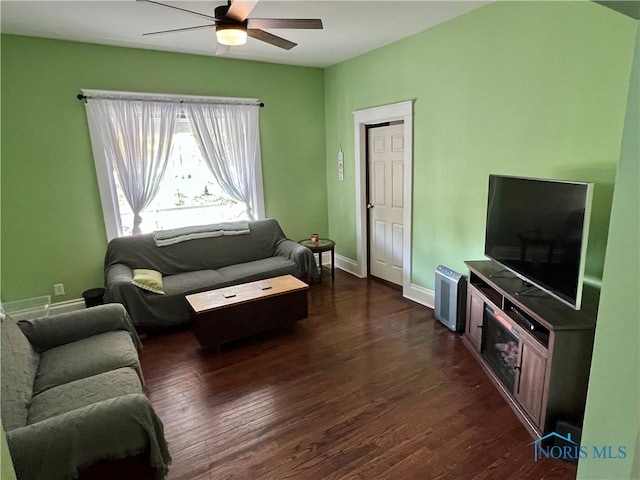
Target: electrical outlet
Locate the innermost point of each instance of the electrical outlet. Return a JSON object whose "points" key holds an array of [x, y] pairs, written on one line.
{"points": [[58, 289]]}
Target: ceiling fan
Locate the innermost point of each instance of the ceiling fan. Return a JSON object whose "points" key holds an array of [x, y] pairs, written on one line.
{"points": [[232, 25]]}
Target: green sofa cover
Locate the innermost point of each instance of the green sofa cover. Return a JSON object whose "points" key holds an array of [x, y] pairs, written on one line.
{"points": [[198, 265], [72, 394]]}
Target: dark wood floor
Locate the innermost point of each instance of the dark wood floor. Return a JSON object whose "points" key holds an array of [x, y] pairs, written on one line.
{"points": [[368, 387]]}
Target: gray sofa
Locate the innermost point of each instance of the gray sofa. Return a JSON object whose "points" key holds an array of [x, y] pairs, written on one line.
{"points": [[198, 265], [72, 397]]}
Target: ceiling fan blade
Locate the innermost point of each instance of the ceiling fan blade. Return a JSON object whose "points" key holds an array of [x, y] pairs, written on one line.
{"points": [[178, 8], [270, 38], [179, 30], [297, 23], [240, 9]]}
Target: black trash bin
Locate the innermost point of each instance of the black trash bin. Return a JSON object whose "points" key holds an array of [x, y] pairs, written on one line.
{"points": [[93, 297]]}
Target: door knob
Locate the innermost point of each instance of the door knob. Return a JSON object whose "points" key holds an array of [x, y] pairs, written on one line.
{"points": [[369, 205]]}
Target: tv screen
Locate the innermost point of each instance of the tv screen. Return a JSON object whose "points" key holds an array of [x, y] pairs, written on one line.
{"points": [[538, 230]]}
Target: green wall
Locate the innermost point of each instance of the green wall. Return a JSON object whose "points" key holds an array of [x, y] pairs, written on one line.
{"points": [[532, 89], [613, 400], [525, 88], [52, 226]]}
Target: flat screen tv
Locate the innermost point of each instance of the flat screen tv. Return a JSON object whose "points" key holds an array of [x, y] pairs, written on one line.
{"points": [[538, 230]]}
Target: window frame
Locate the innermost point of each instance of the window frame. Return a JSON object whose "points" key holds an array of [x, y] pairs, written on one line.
{"points": [[105, 174]]}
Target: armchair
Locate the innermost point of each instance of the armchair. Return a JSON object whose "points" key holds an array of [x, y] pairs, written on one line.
{"points": [[72, 396]]}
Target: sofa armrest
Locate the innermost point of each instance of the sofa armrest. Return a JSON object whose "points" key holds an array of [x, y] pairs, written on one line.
{"points": [[118, 273], [302, 256], [57, 448], [117, 280], [45, 333]]}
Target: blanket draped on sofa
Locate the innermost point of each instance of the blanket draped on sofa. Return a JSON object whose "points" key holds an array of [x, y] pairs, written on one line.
{"points": [[162, 238]]}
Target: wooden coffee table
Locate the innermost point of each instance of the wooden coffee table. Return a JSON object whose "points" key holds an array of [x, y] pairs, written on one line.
{"points": [[241, 310]]}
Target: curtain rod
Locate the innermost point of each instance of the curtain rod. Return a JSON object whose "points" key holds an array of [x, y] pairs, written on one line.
{"points": [[84, 98]]}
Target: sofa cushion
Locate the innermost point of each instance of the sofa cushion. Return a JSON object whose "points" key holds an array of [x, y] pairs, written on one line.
{"points": [[45, 333], [257, 270], [184, 283], [84, 358], [83, 392], [19, 367]]}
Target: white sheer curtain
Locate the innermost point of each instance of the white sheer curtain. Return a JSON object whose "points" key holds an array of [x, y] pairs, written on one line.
{"points": [[136, 136], [229, 139]]}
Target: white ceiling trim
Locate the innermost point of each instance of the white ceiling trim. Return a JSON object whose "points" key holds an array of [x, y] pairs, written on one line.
{"points": [[351, 28]]}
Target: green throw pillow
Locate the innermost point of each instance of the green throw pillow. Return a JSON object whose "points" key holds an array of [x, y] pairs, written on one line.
{"points": [[150, 280]]}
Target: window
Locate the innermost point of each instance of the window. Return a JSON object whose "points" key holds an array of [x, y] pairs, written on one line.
{"points": [[188, 194], [164, 162]]}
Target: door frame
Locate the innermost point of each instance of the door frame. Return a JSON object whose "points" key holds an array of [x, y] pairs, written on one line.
{"points": [[402, 111]]}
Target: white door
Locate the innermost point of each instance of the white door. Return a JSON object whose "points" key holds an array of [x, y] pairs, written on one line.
{"points": [[386, 201]]}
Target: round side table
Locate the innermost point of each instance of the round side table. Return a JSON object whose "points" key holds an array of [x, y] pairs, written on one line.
{"points": [[322, 245]]}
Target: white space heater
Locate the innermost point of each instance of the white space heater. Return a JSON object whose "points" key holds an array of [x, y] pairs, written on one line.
{"points": [[451, 296]]}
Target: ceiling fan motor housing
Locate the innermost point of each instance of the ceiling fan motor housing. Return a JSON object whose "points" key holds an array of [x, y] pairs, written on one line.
{"points": [[227, 22], [221, 12]]}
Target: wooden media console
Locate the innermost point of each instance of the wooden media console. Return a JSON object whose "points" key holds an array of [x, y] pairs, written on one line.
{"points": [[536, 350]]}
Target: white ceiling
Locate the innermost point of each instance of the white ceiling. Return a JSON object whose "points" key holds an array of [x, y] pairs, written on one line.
{"points": [[350, 27]]}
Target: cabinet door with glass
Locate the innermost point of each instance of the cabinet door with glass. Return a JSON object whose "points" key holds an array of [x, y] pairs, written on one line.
{"points": [[532, 368], [475, 314]]}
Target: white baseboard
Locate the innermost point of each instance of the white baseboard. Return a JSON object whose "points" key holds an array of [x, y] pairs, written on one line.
{"points": [[348, 265], [326, 260], [416, 293], [67, 306], [420, 295]]}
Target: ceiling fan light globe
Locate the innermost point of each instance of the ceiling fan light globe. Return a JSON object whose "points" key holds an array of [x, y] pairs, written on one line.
{"points": [[231, 36]]}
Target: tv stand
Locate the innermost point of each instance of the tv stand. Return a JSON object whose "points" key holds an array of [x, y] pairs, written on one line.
{"points": [[499, 273], [527, 288], [536, 350]]}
